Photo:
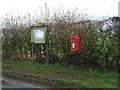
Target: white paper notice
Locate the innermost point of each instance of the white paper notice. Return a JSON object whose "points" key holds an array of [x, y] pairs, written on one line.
{"points": [[39, 34]]}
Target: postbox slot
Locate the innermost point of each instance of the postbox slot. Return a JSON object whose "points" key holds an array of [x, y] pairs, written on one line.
{"points": [[73, 38]]}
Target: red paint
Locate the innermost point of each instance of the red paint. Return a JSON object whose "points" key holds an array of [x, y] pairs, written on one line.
{"points": [[74, 43]]}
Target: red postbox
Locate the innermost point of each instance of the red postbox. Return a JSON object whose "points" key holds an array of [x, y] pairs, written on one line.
{"points": [[74, 43]]}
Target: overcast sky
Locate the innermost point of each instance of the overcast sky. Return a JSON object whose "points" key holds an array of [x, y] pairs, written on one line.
{"points": [[94, 8]]}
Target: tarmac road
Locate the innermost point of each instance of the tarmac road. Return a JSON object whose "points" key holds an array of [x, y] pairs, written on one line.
{"points": [[11, 83]]}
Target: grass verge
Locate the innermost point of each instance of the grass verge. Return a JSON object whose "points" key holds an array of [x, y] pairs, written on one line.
{"points": [[80, 78]]}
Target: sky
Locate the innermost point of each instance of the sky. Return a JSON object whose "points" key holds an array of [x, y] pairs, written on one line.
{"points": [[94, 8]]}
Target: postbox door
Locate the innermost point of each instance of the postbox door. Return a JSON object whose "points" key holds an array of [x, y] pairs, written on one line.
{"points": [[78, 44]]}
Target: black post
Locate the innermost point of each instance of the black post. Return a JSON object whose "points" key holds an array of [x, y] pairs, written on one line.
{"points": [[32, 52], [47, 46], [46, 53]]}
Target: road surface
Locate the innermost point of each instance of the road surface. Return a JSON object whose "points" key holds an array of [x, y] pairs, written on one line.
{"points": [[11, 83]]}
